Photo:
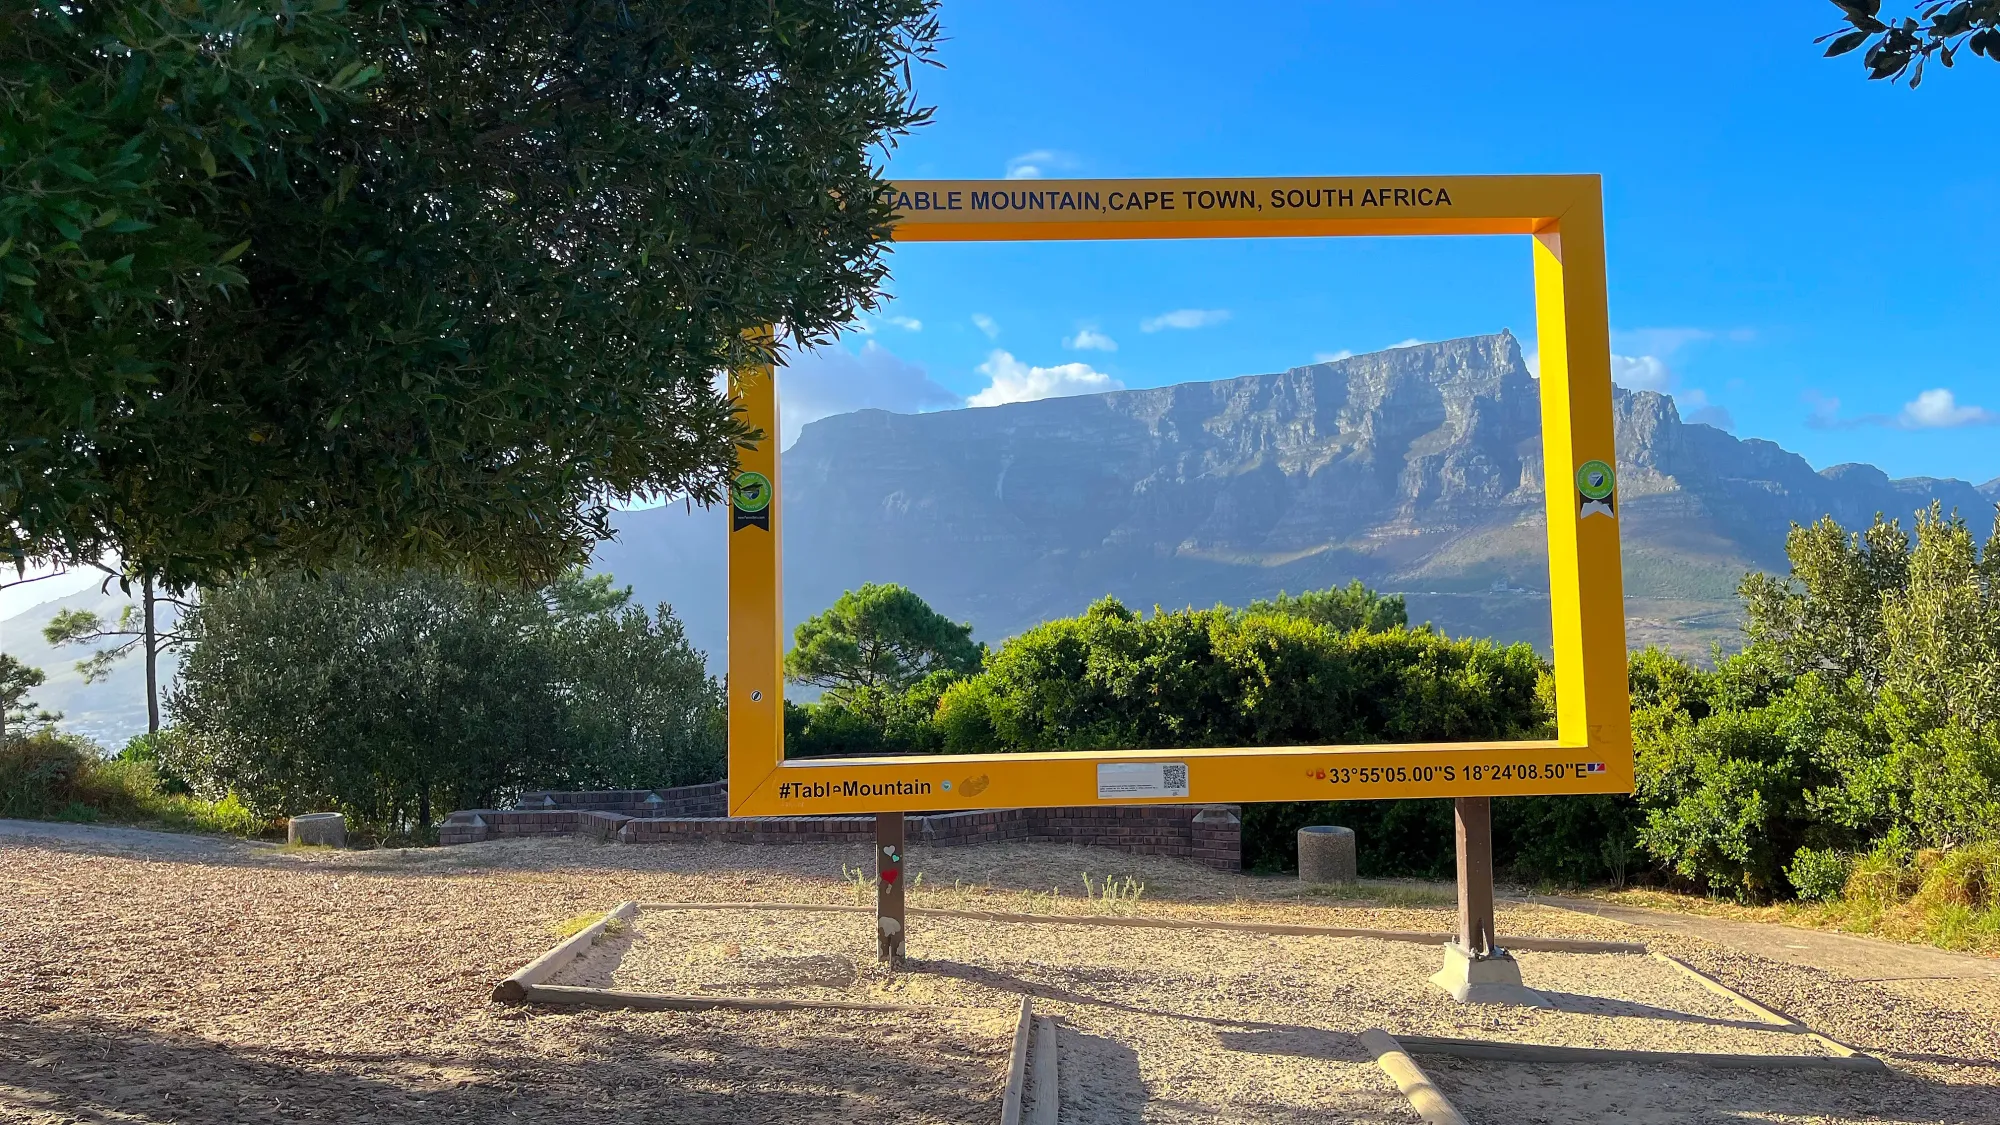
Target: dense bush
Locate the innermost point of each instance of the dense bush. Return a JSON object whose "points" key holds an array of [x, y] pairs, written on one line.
{"points": [[1819, 874], [1326, 666], [397, 698], [49, 775], [1112, 678], [1864, 716]]}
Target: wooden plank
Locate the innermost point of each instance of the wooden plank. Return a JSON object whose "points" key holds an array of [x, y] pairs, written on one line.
{"points": [[1429, 1101], [1538, 944], [1017, 1067], [1473, 817], [891, 923], [667, 1002], [1599, 1056], [1048, 1085], [515, 988], [1768, 1015]]}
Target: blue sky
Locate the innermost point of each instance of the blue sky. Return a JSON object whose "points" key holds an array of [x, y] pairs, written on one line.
{"points": [[1794, 252]]}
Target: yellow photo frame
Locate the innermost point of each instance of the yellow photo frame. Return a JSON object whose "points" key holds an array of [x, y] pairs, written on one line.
{"points": [[1563, 216]]}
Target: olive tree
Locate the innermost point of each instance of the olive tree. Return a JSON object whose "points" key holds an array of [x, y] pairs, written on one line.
{"points": [[413, 282], [397, 697]]}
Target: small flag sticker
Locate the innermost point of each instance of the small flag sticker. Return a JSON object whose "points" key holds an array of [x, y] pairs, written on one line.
{"points": [[1595, 767]]}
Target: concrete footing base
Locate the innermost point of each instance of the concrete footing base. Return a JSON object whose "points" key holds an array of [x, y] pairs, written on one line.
{"points": [[1493, 979]]}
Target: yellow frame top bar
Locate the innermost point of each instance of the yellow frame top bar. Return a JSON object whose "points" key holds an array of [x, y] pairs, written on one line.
{"points": [[980, 210]]}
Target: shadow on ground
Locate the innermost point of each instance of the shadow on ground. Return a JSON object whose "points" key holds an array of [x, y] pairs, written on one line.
{"points": [[689, 1072]]}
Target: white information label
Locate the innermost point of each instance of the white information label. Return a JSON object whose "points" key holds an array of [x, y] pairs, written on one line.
{"points": [[1118, 780]]}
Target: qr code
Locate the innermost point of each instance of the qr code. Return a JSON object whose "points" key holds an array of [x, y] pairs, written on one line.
{"points": [[1173, 777]]}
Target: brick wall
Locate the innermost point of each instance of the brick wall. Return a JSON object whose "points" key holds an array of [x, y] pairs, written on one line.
{"points": [[687, 800], [1208, 834]]}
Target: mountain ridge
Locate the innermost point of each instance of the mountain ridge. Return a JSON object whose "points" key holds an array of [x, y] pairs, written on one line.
{"points": [[1416, 469]]}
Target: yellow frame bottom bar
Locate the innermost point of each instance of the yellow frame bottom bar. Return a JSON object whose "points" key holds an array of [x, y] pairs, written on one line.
{"points": [[1228, 775]]}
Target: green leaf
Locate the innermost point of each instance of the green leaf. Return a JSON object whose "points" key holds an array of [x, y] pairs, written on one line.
{"points": [[1846, 43], [234, 252]]}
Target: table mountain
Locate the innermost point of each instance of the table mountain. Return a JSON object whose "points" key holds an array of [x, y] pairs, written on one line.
{"points": [[1416, 469]]}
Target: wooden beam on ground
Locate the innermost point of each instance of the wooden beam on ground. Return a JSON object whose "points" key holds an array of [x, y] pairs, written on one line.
{"points": [[1048, 1084], [1017, 1066], [1600, 1056], [1429, 1101], [563, 994], [890, 919], [1286, 929], [1474, 821], [1768, 1015], [515, 988]]}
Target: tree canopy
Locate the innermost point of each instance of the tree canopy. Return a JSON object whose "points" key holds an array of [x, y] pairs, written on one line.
{"points": [[398, 697], [876, 642], [403, 281], [1340, 608], [1899, 49], [1863, 715], [16, 681]]}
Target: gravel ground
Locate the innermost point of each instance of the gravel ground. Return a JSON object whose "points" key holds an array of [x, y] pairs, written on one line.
{"points": [[288, 986]]}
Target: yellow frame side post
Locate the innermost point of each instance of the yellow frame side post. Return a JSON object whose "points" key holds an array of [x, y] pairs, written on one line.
{"points": [[756, 690], [1587, 600], [1592, 750]]}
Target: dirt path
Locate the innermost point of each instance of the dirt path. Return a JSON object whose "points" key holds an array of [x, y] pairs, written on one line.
{"points": [[142, 841], [155, 977], [1856, 958]]}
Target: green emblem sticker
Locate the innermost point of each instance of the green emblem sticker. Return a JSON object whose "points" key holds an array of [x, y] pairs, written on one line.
{"points": [[752, 492], [1594, 480]]}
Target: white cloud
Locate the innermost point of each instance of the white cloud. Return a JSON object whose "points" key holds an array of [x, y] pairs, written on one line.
{"points": [[1010, 380], [1090, 339], [1184, 318], [1532, 360], [1034, 165], [867, 326], [987, 325], [1662, 342], [1641, 372], [1409, 343], [1938, 408], [832, 380], [1332, 357], [1651, 373]]}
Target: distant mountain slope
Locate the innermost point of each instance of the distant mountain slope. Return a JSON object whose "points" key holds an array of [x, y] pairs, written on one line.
{"points": [[111, 710], [1416, 469]]}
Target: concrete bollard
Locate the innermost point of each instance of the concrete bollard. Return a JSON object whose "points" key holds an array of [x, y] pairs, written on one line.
{"points": [[324, 828], [1326, 855]]}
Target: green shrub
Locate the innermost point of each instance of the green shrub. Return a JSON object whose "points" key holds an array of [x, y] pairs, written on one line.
{"points": [[49, 775], [1819, 874], [1113, 678], [43, 772]]}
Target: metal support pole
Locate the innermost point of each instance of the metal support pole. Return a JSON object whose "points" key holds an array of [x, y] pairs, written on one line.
{"points": [[1475, 874], [889, 928]]}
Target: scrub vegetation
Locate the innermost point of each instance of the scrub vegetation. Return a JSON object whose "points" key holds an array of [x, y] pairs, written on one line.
{"points": [[1848, 757]]}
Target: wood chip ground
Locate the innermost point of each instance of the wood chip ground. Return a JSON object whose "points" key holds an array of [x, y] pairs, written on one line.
{"points": [[264, 986]]}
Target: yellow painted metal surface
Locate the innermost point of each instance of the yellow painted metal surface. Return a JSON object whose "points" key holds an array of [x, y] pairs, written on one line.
{"points": [[1592, 751]]}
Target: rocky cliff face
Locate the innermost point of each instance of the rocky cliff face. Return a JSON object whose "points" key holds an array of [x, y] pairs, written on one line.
{"points": [[1416, 469]]}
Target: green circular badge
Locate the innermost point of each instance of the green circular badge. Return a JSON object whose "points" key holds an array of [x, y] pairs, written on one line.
{"points": [[751, 492], [1594, 480]]}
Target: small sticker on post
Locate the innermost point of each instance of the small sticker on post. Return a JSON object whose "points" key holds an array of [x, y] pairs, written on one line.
{"points": [[1124, 780]]}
